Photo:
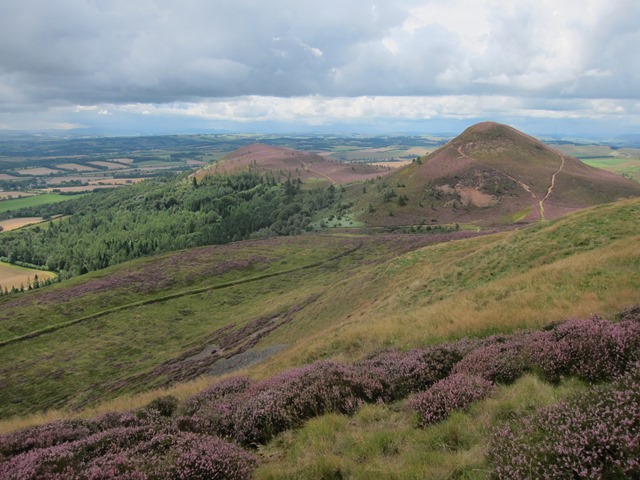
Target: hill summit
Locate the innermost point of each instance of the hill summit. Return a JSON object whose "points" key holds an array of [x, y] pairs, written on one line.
{"points": [[310, 168], [491, 174]]}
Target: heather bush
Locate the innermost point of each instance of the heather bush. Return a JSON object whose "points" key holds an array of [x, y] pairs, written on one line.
{"points": [[43, 436], [133, 453], [287, 399], [499, 359], [594, 435], [202, 457], [403, 373], [67, 460], [455, 392], [217, 391], [593, 349]]}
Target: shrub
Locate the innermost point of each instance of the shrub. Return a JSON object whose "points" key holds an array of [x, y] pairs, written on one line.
{"points": [[44, 436], [163, 406], [593, 349], [403, 373], [134, 453], [287, 399], [455, 392], [500, 360], [202, 457], [594, 435]]}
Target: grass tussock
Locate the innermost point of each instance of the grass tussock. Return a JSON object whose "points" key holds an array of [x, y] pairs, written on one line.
{"points": [[382, 441]]}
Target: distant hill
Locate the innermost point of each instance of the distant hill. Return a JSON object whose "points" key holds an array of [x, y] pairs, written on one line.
{"points": [[490, 174], [312, 169]]}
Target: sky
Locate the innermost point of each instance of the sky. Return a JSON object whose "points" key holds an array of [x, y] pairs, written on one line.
{"points": [[330, 66]]}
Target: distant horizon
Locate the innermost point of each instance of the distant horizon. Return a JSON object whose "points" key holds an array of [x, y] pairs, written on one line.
{"points": [[280, 66]]}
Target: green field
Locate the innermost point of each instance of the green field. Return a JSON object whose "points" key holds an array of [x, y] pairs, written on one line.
{"points": [[624, 161], [34, 201]]}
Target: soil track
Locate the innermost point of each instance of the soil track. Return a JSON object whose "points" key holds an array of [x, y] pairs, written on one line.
{"points": [[522, 184]]}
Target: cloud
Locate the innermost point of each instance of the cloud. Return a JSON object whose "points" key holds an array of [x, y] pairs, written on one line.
{"points": [[224, 55]]}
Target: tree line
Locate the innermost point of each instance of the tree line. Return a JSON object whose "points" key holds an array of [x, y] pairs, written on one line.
{"points": [[165, 214]]}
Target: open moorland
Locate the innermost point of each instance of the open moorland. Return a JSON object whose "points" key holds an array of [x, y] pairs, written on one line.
{"points": [[496, 337]]}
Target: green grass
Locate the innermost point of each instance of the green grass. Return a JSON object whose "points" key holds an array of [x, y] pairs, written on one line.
{"points": [[34, 201], [134, 334], [140, 334], [383, 441], [627, 166]]}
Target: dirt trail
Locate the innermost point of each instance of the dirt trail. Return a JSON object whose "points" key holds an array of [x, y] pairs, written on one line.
{"points": [[306, 165], [522, 184], [550, 189]]}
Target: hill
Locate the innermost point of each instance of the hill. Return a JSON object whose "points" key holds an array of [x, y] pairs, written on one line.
{"points": [[313, 170], [491, 174], [270, 305]]}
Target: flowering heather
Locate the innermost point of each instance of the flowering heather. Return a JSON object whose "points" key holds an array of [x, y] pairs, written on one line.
{"points": [[287, 399], [595, 435], [43, 436], [455, 392], [592, 349], [499, 360], [201, 457], [405, 373]]}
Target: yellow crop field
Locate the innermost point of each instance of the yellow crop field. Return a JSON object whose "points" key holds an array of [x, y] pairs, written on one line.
{"points": [[15, 223], [14, 276]]}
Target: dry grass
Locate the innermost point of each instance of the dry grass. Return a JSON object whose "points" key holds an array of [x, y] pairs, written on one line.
{"points": [[16, 223], [76, 167], [38, 171], [10, 195], [12, 275]]}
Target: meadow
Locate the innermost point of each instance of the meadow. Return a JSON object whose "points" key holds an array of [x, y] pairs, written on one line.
{"points": [[33, 201]]}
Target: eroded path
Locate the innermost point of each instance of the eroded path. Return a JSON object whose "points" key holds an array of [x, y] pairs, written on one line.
{"points": [[306, 165], [550, 189], [524, 186]]}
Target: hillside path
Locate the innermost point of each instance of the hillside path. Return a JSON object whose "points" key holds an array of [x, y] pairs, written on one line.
{"points": [[553, 183], [306, 165], [522, 184]]}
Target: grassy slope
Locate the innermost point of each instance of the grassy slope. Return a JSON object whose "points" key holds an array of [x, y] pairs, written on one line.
{"points": [[383, 442], [145, 322], [581, 264]]}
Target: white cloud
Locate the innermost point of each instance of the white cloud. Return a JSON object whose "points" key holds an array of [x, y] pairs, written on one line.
{"points": [[245, 58]]}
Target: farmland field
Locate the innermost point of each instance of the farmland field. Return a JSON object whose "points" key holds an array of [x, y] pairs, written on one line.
{"points": [[15, 223], [38, 171], [623, 161], [109, 165], [10, 195], [33, 201], [75, 166], [14, 276]]}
